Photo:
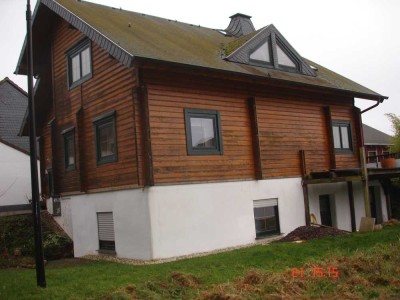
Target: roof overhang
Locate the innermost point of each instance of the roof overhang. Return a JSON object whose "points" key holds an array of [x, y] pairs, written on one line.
{"points": [[41, 25]]}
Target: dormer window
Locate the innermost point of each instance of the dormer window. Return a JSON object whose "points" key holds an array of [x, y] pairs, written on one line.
{"points": [[269, 49], [283, 58], [262, 53]]}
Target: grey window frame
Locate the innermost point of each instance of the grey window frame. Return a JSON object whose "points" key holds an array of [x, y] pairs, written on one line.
{"points": [[71, 53], [285, 50], [340, 124], [102, 121], [262, 63], [208, 114], [67, 133]]}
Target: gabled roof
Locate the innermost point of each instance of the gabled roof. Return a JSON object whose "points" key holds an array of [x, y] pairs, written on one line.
{"points": [[13, 104], [373, 136], [130, 36]]}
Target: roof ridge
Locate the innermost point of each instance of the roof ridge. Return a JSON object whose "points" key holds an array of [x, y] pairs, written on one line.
{"points": [[21, 90]]}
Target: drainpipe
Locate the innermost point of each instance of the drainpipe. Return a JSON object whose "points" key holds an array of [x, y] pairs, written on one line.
{"points": [[373, 106], [364, 170]]}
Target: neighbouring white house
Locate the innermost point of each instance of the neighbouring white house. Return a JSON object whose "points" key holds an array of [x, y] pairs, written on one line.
{"points": [[15, 179]]}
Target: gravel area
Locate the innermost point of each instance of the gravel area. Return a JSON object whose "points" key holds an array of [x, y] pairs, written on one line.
{"points": [[137, 262]]}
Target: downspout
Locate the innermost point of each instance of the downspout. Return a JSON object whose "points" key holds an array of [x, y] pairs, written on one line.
{"points": [[364, 170], [373, 106]]}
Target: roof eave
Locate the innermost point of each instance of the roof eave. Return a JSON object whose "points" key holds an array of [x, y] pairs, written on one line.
{"points": [[139, 60], [115, 50]]}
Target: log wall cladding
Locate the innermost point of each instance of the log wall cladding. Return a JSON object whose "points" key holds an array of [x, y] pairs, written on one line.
{"points": [[109, 89], [149, 107]]}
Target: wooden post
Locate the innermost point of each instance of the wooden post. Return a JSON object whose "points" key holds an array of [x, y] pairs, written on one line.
{"points": [[255, 138], [329, 128], [351, 202], [364, 175], [148, 156], [305, 187], [81, 149]]}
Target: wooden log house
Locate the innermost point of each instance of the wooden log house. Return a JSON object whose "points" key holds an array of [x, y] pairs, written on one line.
{"points": [[160, 138]]}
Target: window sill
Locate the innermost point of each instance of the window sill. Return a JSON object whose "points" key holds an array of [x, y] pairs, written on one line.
{"points": [[269, 236], [80, 81], [107, 252]]}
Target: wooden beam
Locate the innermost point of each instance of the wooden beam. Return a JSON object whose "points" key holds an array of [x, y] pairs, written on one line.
{"points": [[364, 173], [306, 204], [303, 164], [305, 187], [135, 97], [81, 150], [329, 130], [53, 129], [333, 180], [351, 202], [255, 138], [146, 132]]}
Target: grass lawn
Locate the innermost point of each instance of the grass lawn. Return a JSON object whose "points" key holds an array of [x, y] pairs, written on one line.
{"points": [[368, 266]]}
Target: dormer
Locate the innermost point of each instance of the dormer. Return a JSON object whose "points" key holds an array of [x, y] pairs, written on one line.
{"points": [[267, 48]]}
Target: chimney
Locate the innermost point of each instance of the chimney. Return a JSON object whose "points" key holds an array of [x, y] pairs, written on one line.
{"points": [[240, 25]]}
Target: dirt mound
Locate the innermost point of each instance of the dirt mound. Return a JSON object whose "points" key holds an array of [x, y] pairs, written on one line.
{"points": [[304, 233]]}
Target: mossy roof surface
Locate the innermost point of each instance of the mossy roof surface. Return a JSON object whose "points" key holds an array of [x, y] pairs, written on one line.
{"points": [[171, 41]]}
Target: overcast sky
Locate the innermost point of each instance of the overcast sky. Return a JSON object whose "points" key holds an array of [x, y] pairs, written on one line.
{"points": [[359, 39]]}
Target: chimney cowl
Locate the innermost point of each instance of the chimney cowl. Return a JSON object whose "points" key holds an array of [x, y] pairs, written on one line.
{"points": [[240, 25]]}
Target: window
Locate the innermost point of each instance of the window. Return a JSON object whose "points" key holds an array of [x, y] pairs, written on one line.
{"points": [[342, 136], [79, 64], [284, 59], [266, 217], [106, 145], [372, 156], [105, 223], [69, 149], [203, 132], [262, 53]]}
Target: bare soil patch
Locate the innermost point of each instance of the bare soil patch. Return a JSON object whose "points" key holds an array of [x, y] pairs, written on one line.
{"points": [[305, 233]]}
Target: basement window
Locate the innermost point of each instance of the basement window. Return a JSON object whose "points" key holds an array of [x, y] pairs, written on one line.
{"points": [[105, 223], [69, 149], [266, 217], [79, 64], [342, 138], [203, 132], [106, 144]]}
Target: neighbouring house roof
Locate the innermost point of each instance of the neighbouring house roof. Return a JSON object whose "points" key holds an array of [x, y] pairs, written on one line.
{"points": [[13, 105], [373, 136], [128, 36]]}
